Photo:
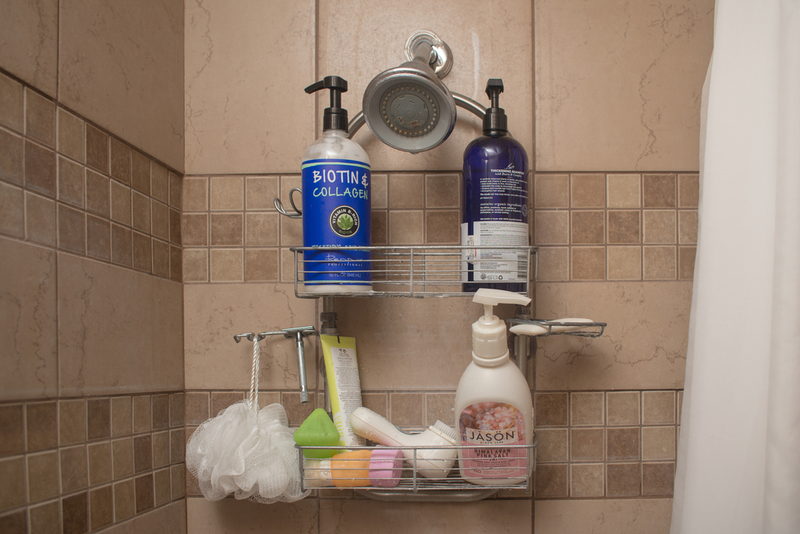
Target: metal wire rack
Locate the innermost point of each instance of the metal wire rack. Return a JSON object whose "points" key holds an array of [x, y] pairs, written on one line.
{"points": [[411, 271], [413, 486], [564, 328]]}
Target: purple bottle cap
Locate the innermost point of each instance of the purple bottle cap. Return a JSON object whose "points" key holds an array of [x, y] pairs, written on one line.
{"points": [[385, 467]]}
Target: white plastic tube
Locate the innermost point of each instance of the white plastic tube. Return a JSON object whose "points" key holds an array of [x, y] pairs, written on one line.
{"points": [[429, 460]]}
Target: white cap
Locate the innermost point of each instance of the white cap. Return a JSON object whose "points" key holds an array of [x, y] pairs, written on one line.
{"points": [[489, 332]]}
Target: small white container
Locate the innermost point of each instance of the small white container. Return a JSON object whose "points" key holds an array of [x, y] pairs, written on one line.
{"points": [[493, 405]]}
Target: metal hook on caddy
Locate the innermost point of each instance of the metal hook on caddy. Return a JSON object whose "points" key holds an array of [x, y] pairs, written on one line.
{"points": [[249, 336], [298, 213]]}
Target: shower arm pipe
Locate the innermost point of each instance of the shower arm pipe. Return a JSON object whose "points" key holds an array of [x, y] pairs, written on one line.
{"points": [[464, 102], [423, 51]]}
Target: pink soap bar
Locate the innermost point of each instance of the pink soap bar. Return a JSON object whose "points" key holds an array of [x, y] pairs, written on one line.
{"points": [[385, 467]]}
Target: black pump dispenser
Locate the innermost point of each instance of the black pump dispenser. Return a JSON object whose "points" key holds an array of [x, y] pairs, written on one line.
{"points": [[495, 122], [335, 117], [494, 203]]}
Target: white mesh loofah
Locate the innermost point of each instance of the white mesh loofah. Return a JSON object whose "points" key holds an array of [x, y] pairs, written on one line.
{"points": [[246, 452]]}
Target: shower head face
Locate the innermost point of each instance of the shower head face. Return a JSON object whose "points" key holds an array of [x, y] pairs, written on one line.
{"points": [[409, 109]]}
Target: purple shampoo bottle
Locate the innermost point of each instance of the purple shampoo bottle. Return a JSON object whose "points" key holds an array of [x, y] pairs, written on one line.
{"points": [[494, 204]]}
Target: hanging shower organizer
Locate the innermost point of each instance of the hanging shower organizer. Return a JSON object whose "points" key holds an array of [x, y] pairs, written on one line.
{"points": [[429, 271], [422, 272], [437, 271]]}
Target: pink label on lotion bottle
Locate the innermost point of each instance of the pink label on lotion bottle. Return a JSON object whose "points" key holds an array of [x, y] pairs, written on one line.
{"points": [[491, 425]]}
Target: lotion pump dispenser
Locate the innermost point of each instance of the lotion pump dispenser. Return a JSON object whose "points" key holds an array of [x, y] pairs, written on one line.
{"points": [[337, 183], [493, 405]]}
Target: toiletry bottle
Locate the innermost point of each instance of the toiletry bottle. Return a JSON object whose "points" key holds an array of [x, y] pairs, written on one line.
{"points": [[493, 405], [336, 203], [494, 204]]}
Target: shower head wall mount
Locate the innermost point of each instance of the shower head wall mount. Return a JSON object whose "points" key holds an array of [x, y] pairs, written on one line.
{"points": [[408, 107], [440, 57]]}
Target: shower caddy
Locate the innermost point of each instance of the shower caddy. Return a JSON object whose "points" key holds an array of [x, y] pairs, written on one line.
{"points": [[424, 271], [436, 272]]}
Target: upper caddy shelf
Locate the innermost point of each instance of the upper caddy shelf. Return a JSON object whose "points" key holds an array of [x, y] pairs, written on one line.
{"points": [[419, 271]]}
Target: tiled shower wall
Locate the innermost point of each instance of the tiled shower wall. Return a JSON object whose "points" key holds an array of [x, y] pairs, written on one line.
{"points": [[614, 444], [90, 240], [594, 227], [91, 359], [604, 96]]}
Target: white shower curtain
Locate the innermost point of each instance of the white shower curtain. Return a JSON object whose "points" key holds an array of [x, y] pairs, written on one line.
{"points": [[738, 468]]}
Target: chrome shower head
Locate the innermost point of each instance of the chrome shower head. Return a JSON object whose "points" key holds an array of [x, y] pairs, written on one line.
{"points": [[408, 107]]}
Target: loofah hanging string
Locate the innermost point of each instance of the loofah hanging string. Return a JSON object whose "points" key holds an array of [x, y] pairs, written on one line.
{"points": [[256, 371]]}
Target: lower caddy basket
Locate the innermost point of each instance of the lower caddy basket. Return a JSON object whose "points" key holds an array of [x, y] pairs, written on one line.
{"points": [[414, 487]]}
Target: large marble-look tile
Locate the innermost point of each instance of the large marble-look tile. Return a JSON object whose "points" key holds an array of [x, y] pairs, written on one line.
{"points": [[618, 83], [29, 42], [643, 346], [28, 366], [247, 64], [411, 343], [244, 517], [603, 516], [121, 66], [499, 516], [487, 41], [217, 312], [167, 520], [119, 331]]}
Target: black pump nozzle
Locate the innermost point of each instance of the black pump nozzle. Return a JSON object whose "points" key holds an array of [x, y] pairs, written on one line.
{"points": [[335, 117], [495, 121]]}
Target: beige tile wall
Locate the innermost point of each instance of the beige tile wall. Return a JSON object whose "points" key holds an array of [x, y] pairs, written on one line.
{"points": [[604, 516], [220, 311], [232, 232], [618, 85], [91, 367], [30, 43], [91, 268], [117, 64], [605, 98], [242, 114], [613, 444], [83, 464], [612, 134], [85, 314], [643, 346], [612, 227], [134, 87], [70, 185]]}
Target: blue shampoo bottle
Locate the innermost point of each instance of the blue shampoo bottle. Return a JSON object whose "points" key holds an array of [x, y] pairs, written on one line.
{"points": [[336, 203], [494, 204]]}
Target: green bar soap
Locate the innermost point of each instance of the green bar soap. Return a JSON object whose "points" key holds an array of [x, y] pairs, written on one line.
{"points": [[317, 430]]}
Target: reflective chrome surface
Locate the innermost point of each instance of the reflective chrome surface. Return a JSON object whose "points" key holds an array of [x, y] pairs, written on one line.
{"points": [[441, 57], [408, 107]]}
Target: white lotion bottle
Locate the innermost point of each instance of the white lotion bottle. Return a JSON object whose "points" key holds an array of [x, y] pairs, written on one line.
{"points": [[493, 406]]}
